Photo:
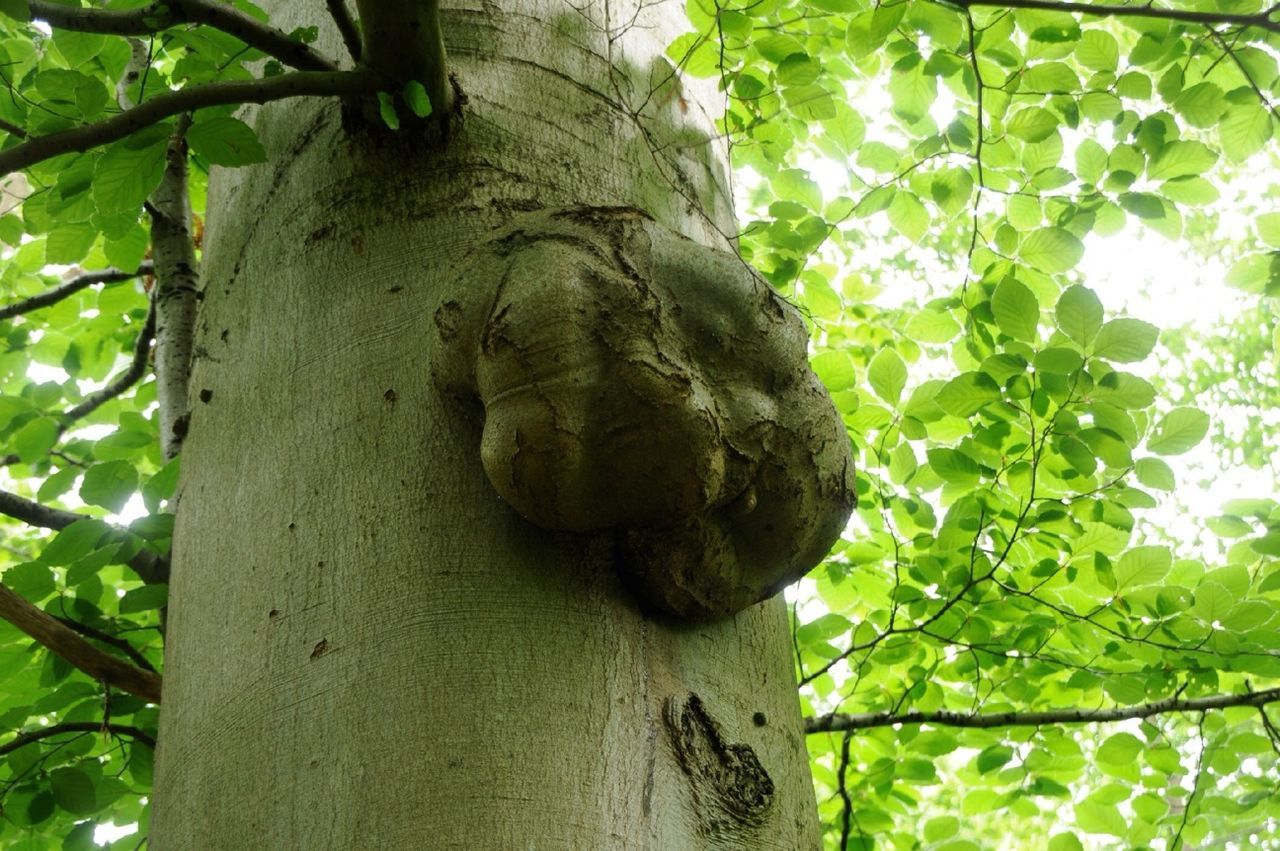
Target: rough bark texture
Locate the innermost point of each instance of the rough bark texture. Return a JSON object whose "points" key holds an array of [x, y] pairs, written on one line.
{"points": [[367, 647], [639, 384]]}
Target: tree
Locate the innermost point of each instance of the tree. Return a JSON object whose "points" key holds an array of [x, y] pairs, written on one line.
{"points": [[489, 447]]}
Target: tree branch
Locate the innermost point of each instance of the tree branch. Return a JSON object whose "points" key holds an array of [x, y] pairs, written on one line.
{"points": [[346, 26], [23, 739], [162, 106], [403, 43], [838, 722], [176, 294], [60, 639], [1265, 20], [158, 16], [150, 567], [70, 288]]}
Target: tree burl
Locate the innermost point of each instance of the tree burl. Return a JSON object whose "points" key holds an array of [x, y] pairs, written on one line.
{"points": [[637, 384]]}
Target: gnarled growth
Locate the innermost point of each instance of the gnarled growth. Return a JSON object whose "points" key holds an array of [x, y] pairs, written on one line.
{"points": [[636, 383]]}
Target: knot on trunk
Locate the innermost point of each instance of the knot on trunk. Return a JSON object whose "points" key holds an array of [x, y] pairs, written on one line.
{"points": [[637, 383], [727, 777]]}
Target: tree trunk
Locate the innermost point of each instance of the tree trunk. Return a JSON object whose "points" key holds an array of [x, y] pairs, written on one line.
{"points": [[367, 647]]}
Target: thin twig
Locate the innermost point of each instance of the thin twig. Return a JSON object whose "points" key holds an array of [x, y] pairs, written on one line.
{"points": [[23, 739], [346, 27], [1265, 20], [70, 288], [841, 722], [106, 638]]}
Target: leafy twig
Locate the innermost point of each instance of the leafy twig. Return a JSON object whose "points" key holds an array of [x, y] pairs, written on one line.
{"points": [[149, 567], [1265, 20], [23, 739], [70, 288], [162, 106]]}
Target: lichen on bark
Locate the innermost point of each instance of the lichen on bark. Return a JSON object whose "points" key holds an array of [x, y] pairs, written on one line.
{"points": [[638, 384]]}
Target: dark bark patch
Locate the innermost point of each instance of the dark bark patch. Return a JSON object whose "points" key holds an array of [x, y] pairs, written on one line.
{"points": [[730, 786]]}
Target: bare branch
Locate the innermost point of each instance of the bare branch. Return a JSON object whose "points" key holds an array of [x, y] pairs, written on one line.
{"points": [[177, 291], [841, 722], [158, 16], [60, 639], [346, 26], [168, 104], [149, 567], [31, 736], [1265, 20], [70, 288]]}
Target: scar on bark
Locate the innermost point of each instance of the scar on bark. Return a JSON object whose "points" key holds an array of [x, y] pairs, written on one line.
{"points": [[637, 384], [730, 786]]}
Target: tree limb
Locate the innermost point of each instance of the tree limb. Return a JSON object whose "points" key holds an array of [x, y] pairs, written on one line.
{"points": [[1265, 20], [177, 292], [23, 739], [70, 288], [162, 106], [158, 16], [346, 26], [403, 43], [837, 722], [60, 639], [150, 567]]}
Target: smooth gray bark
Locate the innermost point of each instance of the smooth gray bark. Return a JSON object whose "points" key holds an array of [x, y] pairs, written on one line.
{"points": [[367, 648]]}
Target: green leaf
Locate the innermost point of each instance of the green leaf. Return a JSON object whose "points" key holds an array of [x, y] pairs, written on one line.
{"points": [[73, 790], [109, 485], [1155, 473], [144, 599], [953, 466], [129, 170], [1016, 310], [1244, 130], [417, 99], [908, 216], [1142, 566], [35, 439], [1098, 50], [888, 375], [1120, 749], [1180, 430], [1052, 250], [835, 368], [225, 141], [74, 542], [1125, 340], [1032, 124], [963, 395], [1182, 159], [387, 110], [1079, 314], [1201, 105], [1213, 601], [993, 757], [16, 9]]}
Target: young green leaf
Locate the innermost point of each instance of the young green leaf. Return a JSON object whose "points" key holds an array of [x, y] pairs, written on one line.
{"points": [[887, 375], [1016, 310], [417, 99], [225, 141], [1179, 431], [1079, 314]]}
